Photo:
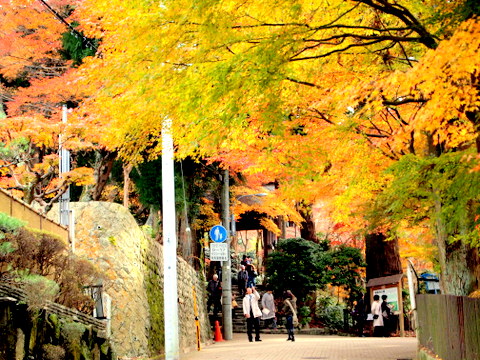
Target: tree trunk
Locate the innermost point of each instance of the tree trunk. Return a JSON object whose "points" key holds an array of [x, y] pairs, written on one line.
{"points": [[102, 173], [382, 256], [456, 277], [307, 227], [103, 166]]}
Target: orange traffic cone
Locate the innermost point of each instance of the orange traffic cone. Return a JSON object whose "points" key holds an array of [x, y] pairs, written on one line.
{"points": [[218, 333]]}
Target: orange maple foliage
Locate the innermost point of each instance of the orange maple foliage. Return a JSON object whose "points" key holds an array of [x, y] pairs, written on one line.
{"points": [[37, 81]]}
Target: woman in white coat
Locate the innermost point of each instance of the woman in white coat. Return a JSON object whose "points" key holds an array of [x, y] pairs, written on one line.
{"points": [[377, 317], [252, 313]]}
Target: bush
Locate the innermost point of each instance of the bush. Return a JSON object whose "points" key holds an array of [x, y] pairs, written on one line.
{"points": [[329, 312], [39, 290], [304, 314], [9, 224], [332, 317], [303, 266], [40, 253], [292, 266]]}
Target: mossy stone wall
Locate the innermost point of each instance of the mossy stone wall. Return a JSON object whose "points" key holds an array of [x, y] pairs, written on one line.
{"points": [[107, 234]]}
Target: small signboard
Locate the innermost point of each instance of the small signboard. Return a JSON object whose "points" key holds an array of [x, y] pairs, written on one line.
{"points": [[392, 296], [219, 252], [218, 233]]}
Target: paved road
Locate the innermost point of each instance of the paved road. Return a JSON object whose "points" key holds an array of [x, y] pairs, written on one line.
{"points": [[308, 347]]}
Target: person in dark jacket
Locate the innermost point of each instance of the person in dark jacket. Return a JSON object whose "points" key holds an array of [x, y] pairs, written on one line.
{"points": [[386, 313], [242, 278], [214, 290], [359, 315], [289, 309]]}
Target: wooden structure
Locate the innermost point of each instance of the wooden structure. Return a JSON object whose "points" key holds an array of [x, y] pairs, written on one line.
{"points": [[392, 287]]}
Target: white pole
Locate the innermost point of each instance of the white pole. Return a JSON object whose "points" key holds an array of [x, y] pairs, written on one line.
{"points": [[64, 166], [170, 296], [411, 290], [227, 265]]}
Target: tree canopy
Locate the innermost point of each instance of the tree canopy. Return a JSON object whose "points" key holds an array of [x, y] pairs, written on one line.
{"points": [[303, 266], [350, 102]]}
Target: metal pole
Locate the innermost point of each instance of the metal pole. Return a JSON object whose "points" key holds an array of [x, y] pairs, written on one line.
{"points": [[170, 295], [226, 265]]}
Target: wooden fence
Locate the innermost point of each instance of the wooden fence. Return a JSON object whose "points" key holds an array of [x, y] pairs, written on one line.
{"points": [[449, 326], [20, 210]]}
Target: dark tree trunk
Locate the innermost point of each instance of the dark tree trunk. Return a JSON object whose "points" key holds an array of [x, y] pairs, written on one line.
{"points": [[307, 228], [102, 173], [382, 256]]}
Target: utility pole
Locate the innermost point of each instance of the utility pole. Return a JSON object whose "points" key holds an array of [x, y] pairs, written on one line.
{"points": [[226, 265], [64, 168], [170, 295]]}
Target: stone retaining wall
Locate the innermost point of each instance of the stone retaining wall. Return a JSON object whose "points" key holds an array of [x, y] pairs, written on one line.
{"points": [[107, 234]]}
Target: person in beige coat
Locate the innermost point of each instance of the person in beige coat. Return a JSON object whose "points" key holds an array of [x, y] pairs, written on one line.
{"points": [[269, 309], [377, 317], [252, 313]]}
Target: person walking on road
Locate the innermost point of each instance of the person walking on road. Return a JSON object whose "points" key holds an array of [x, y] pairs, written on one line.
{"points": [[269, 309], [214, 290], [242, 278], [290, 311], [377, 317], [252, 273], [252, 313]]}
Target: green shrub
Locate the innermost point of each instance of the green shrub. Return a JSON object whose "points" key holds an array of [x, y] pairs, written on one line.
{"points": [[6, 248], [304, 313], [328, 311], [9, 224], [39, 290], [332, 317], [44, 254]]}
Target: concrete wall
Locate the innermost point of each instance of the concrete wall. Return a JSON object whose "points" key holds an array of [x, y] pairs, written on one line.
{"points": [[107, 234], [20, 210]]}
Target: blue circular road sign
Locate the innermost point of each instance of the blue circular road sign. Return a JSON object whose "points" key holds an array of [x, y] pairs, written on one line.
{"points": [[218, 233]]}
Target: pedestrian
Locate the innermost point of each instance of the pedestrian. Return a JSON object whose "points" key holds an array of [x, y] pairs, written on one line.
{"points": [[290, 311], [377, 317], [386, 314], [244, 260], [252, 313], [214, 290], [359, 315], [269, 309], [242, 278], [252, 273]]}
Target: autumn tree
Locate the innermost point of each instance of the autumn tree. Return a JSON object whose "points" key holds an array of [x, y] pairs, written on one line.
{"points": [[323, 95], [41, 48]]}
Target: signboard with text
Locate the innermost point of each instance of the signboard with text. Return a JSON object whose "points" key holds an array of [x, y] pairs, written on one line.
{"points": [[392, 296], [219, 252]]}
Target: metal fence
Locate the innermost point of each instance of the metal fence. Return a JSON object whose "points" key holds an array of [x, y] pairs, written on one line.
{"points": [[449, 326]]}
